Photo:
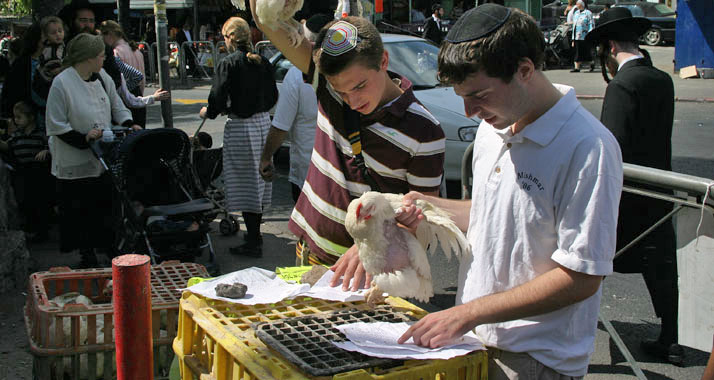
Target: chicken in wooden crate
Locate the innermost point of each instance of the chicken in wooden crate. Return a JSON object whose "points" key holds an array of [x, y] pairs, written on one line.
{"points": [[394, 257]]}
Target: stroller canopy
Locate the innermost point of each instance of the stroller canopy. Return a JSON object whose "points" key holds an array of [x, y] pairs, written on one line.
{"points": [[153, 162]]}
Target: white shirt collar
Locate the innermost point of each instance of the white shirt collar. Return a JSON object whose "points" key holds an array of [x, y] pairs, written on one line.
{"points": [[187, 33], [634, 57], [544, 129]]}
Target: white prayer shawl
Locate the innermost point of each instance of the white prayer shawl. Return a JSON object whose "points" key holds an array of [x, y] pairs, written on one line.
{"points": [[74, 104]]}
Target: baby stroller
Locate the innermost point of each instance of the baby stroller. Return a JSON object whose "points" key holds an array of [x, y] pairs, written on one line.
{"points": [[161, 209], [209, 167], [558, 48]]}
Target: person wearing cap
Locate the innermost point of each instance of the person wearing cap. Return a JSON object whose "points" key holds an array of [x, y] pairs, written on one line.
{"points": [[638, 108], [432, 27], [372, 134], [547, 178], [295, 118], [82, 102]]}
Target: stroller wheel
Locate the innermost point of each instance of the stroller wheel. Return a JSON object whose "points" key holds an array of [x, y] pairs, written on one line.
{"points": [[234, 222], [228, 226], [213, 269]]}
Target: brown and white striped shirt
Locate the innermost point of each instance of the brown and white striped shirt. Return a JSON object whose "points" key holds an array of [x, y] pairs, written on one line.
{"points": [[402, 145]]}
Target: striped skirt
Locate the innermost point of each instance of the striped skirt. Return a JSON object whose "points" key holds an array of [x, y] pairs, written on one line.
{"points": [[243, 141]]}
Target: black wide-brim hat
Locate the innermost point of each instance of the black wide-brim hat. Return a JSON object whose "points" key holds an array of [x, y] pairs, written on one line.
{"points": [[66, 14], [617, 24]]}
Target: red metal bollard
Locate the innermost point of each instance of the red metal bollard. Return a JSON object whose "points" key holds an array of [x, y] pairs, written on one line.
{"points": [[131, 276]]}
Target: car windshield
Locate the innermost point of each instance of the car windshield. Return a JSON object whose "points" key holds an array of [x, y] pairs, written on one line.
{"points": [[416, 60], [636, 10], [664, 10]]}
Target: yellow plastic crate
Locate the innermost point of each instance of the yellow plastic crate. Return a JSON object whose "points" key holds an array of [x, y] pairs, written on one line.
{"points": [[215, 341]]}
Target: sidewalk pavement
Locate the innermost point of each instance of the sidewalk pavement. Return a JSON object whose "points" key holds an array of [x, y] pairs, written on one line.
{"points": [[592, 85], [588, 85]]}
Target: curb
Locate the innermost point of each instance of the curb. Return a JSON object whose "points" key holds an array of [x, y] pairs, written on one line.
{"points": [[676, 99]]}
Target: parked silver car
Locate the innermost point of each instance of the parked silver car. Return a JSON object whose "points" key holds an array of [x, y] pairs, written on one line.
{"points": [[416, 59]]}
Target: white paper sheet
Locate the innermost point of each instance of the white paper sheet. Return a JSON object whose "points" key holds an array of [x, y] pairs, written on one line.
{"points": [[263, 287], [323, 290], [379, 339]]}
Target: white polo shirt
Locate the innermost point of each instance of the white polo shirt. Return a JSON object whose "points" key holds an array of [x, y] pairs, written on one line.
{"points": [[296, 113], [545, 197]]}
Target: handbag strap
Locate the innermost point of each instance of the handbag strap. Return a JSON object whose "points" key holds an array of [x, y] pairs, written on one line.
{"points": [[351, 120]]}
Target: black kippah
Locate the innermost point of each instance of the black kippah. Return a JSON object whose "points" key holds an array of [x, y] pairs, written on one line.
{"points": [[478, 22]]}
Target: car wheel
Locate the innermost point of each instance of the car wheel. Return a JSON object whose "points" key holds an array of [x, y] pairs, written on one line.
{"points": [[652, 37]]}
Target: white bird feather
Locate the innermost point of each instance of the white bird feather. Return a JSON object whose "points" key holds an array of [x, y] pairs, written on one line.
{"points": [[392, 255], [278, 14]]}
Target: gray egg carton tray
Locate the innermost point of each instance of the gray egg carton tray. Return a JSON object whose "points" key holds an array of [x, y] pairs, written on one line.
{"points": [[305, 341]]}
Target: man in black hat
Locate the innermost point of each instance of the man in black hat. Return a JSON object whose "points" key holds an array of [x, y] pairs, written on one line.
{"points": [[638, 109], [547, 178], [432, 27], [79, 16]]}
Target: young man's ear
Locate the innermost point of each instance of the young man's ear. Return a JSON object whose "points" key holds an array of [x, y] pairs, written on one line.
{"points": [[525, 69], [385, 61]]}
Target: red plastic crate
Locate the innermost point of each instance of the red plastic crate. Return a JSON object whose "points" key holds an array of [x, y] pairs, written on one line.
{"points": [[78, 340]]}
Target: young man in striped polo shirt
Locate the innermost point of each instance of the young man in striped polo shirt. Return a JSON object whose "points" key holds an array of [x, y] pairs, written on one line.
{"points": [[371, 133]]}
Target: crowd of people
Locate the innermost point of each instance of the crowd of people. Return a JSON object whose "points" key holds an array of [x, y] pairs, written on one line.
{"points": [[73, 79], [543, 224]]}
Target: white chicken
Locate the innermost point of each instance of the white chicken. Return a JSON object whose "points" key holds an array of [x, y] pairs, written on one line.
{"points": [[394, 257], [276, 14]]}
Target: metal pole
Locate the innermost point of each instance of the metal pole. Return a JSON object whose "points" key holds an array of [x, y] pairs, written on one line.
{"points": [[196, 28], [123, 14], [163, 55], [623, 348], [648, 231], [131, 277], [410, 11]]}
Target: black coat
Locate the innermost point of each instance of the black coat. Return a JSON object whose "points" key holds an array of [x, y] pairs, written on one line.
{"points": [[17, 85], [181, 37], [639, 109], [432, 31], [242, 88]]}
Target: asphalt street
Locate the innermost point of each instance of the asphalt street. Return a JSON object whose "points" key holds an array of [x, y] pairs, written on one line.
{"points": [[625, 299]]}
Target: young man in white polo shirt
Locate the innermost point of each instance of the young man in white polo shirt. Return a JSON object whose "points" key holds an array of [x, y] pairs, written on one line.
{"points": [[541, 224]]}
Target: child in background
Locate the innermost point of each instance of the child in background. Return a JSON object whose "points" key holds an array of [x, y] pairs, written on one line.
{"points": [[53, 36], [49, 64], [29, 158]]}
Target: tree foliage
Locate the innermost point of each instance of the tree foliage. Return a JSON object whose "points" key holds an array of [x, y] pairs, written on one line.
{"points": [[15, 7]]}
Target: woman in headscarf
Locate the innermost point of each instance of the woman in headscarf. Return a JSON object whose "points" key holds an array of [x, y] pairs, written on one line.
{"points": [[244, 88], [82, 102], [582, 24]]}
